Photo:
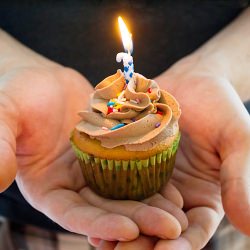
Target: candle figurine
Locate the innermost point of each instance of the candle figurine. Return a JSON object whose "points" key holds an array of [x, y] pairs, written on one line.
{"points": [[126, 56]]}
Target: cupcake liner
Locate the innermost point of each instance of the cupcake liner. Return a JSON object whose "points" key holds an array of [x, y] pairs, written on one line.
{"points": [[127, 179]]}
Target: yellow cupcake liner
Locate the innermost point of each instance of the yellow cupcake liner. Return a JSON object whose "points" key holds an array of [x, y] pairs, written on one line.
{"points": [[134, 179]]}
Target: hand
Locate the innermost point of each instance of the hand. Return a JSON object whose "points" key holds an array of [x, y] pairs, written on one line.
{"points": [[213, 159], [42, 104]]}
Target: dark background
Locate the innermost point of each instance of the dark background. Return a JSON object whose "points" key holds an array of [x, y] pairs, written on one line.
{"points": [[84, 34]]}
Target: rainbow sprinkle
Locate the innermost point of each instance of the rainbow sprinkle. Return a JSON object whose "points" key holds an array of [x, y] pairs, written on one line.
{"points": [[110, 110], [110, 103], [149, 90], [105, 128], [118, 126], [115, 104], [118, 105], [159, 112], [158, 124]]}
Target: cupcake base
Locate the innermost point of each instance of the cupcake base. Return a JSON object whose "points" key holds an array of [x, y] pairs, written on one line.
{"points": [[128, 179]]}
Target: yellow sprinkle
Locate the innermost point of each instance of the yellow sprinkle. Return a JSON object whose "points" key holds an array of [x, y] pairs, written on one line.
{"points": [[120, 102], [117, 106]]}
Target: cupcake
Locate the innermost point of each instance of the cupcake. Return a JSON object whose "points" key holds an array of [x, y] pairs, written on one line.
{"points": [[126, 142]]}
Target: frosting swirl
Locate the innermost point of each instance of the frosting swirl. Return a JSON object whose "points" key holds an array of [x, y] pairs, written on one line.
{"points": [[137, 115]]}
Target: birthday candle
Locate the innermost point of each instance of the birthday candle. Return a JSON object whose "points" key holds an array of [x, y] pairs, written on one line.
{"points": [[126, 56]]}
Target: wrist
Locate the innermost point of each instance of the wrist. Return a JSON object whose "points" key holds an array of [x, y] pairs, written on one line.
{"points": [[227, 63], [14, 55], [227, 54]]}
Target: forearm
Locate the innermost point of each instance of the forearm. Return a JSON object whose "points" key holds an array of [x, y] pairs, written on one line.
{"points": [[228, 54], [15, 55]]}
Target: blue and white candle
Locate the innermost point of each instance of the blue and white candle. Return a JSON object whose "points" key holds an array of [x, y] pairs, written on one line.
{"points": [[126, 56], [127, 63]]}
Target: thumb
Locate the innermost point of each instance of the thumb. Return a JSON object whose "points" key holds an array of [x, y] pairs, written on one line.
{"points": [[235, 180], [8, 132]]}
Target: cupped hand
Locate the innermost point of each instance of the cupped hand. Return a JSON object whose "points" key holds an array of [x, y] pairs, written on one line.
{"points": [[213, 162], [212, 168], [39, 106]]}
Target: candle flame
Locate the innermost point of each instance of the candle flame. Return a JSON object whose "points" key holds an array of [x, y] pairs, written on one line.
{"points": [[126, 36]]}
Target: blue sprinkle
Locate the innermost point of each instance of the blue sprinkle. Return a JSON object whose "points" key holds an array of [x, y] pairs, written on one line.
{"points": [[158, 124], [126, 69], [127, 81], [130, 63], [131, 74], [118, 126], [110, 103]]}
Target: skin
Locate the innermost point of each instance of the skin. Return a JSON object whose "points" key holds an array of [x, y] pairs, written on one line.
{"points": [[213, 161], [39, 104], [211, 148]]}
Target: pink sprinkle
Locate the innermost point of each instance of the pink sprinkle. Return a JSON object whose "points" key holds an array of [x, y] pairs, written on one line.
{"points": [[138, 100], [105, 128], [110, 110], [159, 112], [133, 101], [158, 124]]}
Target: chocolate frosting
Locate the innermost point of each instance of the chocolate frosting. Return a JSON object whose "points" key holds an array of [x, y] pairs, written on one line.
{"points": [[147, 116]]}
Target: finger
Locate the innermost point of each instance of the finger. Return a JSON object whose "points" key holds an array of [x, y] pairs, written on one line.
{"points": [[235, 179], [150, 220], [69, 210], [8, 134], [141, 243], [235, 169], [171, 193], [180, 244], [8, 165], [95, 242], [107, 245], [159, 201], [203, 221]]}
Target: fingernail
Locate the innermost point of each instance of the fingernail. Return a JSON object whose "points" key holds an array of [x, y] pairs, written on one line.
{"points": [[123, 239], [110, 239], [162, 237]]}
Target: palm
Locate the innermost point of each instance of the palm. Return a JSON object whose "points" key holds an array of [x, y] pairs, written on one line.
{"points": [[197, 172], [211, 114], [48, 102], [44, 104]]}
